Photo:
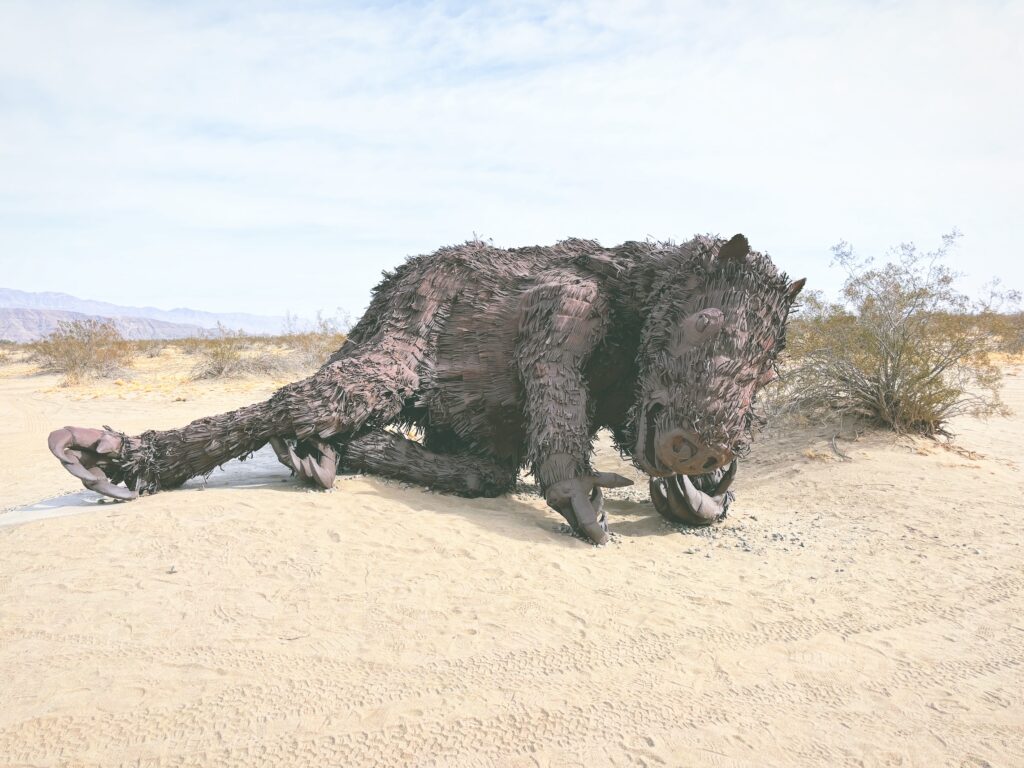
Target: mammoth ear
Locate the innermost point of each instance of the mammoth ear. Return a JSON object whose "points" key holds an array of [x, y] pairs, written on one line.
{"points": [[794, 288], [735, 250]]}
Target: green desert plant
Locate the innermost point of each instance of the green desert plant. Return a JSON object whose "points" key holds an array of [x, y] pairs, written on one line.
{"points": [[903, 349], [79, 349]]}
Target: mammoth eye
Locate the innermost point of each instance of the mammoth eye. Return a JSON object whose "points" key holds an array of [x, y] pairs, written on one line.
{"points": [[695, 329], [702, 325]]}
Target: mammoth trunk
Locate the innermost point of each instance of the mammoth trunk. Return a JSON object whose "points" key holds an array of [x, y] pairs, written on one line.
{"points": [[297, 421]]}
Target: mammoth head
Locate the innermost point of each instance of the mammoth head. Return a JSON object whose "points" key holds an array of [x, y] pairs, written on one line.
{"points": [[714, 318]]}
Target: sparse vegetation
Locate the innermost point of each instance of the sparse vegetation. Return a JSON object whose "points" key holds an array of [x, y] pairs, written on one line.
{"points": [[312, 347], [83, 348], [1007, 328], [903, 349], [91, 348], [149, 347], [226, 353]]}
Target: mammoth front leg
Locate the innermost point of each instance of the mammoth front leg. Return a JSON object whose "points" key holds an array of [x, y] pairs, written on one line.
{"points": [[561, 324], [303, 421], [461, 472]]}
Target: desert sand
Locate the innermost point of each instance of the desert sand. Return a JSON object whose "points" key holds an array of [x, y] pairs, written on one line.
{"points": [[863, 612]]}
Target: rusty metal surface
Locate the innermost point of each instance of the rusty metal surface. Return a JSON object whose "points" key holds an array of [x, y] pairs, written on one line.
{"points": [[505, 358]]}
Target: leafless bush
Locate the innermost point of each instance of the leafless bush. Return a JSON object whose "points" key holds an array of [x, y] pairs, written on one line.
{"points": [[903, 349], [82, 348]]}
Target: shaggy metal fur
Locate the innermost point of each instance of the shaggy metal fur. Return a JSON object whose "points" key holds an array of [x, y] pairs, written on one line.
{"points": [[511, 358]]}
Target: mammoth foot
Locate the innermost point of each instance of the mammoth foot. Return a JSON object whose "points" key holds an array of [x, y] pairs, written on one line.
{"points": [[314, 461], [681, 500], [94, 456], [581, 503]]}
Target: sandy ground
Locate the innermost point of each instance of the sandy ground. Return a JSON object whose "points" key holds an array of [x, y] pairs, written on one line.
{"points": [[864, 612]]}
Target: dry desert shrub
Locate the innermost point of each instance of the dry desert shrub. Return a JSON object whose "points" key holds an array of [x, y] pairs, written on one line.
{"points": [[192, 345], [902, 349], [226, 353], [310, 348], [149, 347], [1008, 330], [80, 349]]}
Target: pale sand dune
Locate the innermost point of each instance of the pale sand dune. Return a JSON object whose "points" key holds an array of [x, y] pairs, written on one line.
{"points": [[848, 613]]}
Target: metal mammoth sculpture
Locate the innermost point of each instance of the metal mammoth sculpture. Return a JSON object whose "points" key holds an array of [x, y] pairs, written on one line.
{"points": [[512, 358]]}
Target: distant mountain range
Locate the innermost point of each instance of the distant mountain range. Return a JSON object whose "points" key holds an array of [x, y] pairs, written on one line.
{"points": [[26, 316], [23, 325]]}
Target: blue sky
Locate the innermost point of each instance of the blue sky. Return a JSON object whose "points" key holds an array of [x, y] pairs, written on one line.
{"points": [[271, 156]]}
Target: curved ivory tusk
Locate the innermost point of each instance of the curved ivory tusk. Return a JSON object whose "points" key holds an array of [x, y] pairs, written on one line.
{"points": [[677, 499], [659, 497], [703, 509], [727, 478]]}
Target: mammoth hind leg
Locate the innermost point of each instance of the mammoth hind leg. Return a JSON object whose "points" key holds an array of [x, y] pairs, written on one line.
{"points": [[461, 472]]}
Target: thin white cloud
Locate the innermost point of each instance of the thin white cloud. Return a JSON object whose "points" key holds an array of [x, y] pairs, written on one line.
{"points": [[278, 155]]}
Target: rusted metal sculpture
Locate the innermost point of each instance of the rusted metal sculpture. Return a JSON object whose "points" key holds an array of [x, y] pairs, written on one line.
{"points": [[512, 358]]}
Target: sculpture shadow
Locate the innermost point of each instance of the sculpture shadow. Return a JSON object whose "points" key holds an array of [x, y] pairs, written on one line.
{"points": [[510, 516], [506, 515], [518, 519]]}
